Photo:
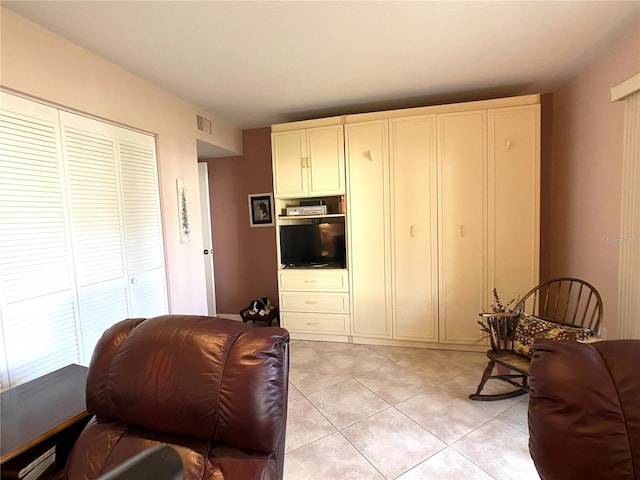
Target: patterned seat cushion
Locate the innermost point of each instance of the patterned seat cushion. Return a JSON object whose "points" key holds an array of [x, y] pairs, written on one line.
{"points": [[529, 328]]}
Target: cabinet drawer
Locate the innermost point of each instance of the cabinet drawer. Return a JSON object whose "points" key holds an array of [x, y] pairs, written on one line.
{"points": [[329, 280], [314, 302], [315, 322]]}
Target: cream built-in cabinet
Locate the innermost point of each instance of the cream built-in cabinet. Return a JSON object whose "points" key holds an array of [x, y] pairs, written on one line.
{"points": [[442, 205], [308, 165]]}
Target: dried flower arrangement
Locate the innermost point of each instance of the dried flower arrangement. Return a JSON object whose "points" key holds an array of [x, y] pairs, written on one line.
{"points": [[497, 307]]}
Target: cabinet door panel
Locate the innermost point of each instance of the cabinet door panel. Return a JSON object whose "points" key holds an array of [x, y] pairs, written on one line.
{"points": [[413, 160], [514, 186], [369, 259], [462, 223], [326, 161], [289, 153]]}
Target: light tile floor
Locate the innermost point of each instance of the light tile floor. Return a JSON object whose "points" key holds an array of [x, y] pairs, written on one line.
{"points": [[374, 412]]}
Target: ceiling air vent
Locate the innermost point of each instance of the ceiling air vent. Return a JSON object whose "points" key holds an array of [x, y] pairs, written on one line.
{"points": [[205, 125]]}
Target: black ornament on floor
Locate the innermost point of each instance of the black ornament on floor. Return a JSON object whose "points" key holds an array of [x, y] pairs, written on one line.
{"points": [[260, 310]]}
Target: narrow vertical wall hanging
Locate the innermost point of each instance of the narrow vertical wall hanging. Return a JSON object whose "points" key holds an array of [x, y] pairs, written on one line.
{"points": [[183, 211]]}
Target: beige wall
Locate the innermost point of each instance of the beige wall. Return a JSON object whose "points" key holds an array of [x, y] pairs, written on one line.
{"points": [[244, 258], [43, 65], [582, 214]]}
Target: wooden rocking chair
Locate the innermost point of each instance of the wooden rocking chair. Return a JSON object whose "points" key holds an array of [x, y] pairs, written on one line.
{"points": [[567, 302]]}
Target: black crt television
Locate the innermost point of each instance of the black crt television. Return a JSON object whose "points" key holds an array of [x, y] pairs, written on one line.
{"points": [[313, 245]]}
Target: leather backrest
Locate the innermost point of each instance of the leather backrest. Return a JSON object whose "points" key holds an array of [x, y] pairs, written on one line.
{"points": [[584, 410], [203, 377]]}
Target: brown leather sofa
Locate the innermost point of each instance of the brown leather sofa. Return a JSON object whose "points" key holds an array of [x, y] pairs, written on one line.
{"points": [[213, 389], [584, 410]]}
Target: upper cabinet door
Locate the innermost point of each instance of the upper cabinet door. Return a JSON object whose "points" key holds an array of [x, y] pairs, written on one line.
{"points": [[462, 225], [289, 150], [309, 162], [326, 161]]}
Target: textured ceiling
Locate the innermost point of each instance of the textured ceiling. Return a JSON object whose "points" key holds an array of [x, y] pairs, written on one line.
{"points": [[258, 63]]}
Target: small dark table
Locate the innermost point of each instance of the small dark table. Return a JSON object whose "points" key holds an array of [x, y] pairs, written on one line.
{"points": [[50, 410]]}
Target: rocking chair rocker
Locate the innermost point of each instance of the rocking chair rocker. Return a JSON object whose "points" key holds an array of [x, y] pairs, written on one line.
{"points": [[565, 302]]}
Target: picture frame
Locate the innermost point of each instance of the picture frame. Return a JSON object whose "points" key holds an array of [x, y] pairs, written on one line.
{"points": [[261, 210]]}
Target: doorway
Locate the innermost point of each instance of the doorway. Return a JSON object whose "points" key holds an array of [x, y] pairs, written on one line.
{"points": [[207, 242]]}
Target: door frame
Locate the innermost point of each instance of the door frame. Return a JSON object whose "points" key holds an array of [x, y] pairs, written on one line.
{"points": [[207, 238]]}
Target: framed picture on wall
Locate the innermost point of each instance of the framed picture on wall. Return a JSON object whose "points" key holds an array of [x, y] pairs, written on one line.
{"points": [[261, 209]]}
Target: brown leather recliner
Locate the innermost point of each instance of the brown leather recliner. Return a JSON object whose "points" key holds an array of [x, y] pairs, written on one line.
{"points": [[213, 389], [584, 410]]}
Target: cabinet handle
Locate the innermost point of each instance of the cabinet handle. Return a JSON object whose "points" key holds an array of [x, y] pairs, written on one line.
{"points": [[463, 230], [310, 281], [370, 155], [313, 324], [308, 162], [303, 162], [412, 231], [308, 302]]}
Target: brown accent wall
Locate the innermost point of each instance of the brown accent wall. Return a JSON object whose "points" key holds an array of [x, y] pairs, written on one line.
{"points": [[582, 214], [244, 257]]}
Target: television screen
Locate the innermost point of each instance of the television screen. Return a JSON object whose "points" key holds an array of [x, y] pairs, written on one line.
{"points": [[313, 245]]}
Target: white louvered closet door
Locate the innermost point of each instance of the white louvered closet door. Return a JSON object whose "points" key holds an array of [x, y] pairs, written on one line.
{"points": [[80, 236], [38, 307], [140, 197], [97, 224]]}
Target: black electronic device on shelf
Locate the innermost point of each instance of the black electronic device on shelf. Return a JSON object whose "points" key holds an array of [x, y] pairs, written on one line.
{"points": [[313, 245]]}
